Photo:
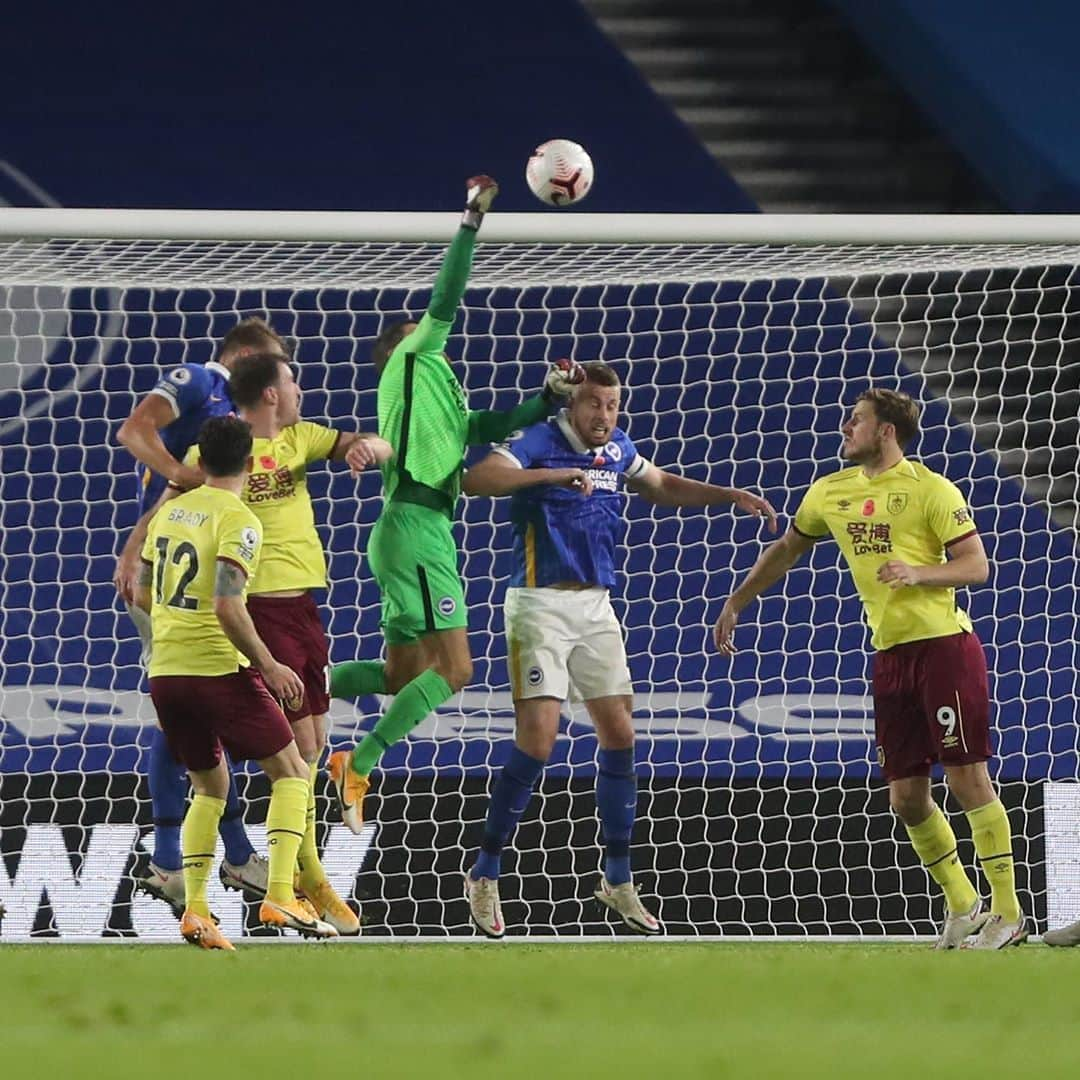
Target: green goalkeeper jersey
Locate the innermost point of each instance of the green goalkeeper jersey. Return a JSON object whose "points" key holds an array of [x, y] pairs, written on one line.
{"points": [[422, 409]]}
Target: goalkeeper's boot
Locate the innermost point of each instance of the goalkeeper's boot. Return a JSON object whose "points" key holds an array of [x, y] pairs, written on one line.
{"points": [[250, 878], [294, 916], [167, 885], [484, 907], [351, 788], [960, 925], [996, 933], [329, 907], [201, 931], [626, 903], [1066, 935]]}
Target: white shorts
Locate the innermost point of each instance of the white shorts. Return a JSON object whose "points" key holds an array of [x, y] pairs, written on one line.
{"points": [[565, 643]]}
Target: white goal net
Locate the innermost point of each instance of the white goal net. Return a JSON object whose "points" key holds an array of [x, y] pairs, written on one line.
{"points": [[760, 812]]}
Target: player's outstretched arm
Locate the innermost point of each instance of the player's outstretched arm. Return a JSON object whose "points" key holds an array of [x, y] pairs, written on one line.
{"points": [[666, 489], [232, 613], [359, 449], [496, 475], [140, 433], [490, 426], [772, 564]]}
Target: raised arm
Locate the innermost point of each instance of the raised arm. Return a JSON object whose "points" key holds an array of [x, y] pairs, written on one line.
{"points": [[773, 563], [662, 488], [499, 474]]}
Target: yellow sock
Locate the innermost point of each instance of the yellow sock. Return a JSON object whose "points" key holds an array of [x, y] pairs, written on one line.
{"points": [[198, 838], [284, 831], [935, 843], [311, 870], [993, 844]]}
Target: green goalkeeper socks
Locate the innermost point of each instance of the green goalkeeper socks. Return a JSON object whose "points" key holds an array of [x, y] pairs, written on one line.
{"points": [[416, 700], [357, 678]]}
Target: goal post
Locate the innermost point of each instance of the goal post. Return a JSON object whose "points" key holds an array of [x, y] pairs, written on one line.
{"points": [[740, 340]]}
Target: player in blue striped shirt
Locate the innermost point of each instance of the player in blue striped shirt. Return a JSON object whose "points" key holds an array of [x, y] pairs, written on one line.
{"points": [[561, 630], [158, 433]]}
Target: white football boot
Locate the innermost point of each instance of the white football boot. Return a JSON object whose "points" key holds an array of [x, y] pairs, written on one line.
{"points": [[167, 885], [996, 933], [626, 903], [960, 925], [250, 878], [1065, 935], [484, 906]]}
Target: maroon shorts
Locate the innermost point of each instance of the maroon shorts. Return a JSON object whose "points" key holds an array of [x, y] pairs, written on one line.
{"points": [[294, 634], [200, 713], [931, 703]]}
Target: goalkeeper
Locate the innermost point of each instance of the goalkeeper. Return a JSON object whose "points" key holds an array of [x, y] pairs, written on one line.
{"points": [[412, 552]]}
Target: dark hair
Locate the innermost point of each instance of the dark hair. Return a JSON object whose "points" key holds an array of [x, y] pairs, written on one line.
{"points": [[252, 333], [896, 408], [251, 375], [390, 337], [599, 373], [224, 446]]}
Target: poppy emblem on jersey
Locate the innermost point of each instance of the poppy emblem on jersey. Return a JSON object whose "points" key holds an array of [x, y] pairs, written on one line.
{"points": [[896, 502], [535, 676], [447, 605], [868, 508], [598, 461], [267, 462]]}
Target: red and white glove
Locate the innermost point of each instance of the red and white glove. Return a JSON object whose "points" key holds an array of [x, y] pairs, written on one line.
{"points": [[562, 378]]}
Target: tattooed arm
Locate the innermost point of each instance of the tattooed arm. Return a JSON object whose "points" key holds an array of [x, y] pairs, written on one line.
{"points": [[232, 613]]}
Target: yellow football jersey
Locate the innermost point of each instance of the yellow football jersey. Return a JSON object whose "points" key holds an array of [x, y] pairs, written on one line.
{"points": [[187, 537], [276, 491], [907, 513]]}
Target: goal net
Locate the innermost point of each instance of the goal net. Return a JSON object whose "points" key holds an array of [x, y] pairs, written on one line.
{"points": [[740, 346]]}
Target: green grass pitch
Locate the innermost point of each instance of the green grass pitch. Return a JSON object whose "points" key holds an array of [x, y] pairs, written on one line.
{"points": [[628, 1010]]}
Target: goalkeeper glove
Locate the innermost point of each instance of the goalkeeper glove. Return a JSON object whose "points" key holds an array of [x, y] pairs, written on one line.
{"points": [[562, 378], [480, 192]]}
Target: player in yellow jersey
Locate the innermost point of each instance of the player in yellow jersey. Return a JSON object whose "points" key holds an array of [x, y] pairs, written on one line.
{"points": [[267, 396], [212, 677], [909, 540]]}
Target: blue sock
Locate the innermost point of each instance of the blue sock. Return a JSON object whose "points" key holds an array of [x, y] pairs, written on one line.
{"points": [[238, 847], [616, 801], [508, 800], [168, 797]]}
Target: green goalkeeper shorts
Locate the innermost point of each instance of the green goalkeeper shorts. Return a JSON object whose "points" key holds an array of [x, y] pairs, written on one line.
{"points": [[414, 561]]}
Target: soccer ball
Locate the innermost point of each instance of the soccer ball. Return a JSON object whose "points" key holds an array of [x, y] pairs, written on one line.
{"points": [[559, 172]]}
